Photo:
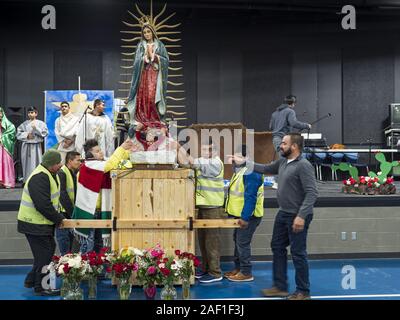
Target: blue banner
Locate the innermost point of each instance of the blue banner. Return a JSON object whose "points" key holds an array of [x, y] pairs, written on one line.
{"points": [[78, 101]]}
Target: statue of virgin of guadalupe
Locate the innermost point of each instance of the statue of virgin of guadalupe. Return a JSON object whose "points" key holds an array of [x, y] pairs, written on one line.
{"points": [[147, 95]]}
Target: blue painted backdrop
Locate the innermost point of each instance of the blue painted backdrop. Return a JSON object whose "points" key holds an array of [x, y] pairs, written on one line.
{"points": [[78, 102]]}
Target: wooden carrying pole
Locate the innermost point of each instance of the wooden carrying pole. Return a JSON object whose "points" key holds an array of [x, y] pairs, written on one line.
{"points": [[152, 224]]}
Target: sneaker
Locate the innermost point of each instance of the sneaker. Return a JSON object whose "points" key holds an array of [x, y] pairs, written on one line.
{"points": [[299, 296], [274, 292], [240, 277], [199, 274], [231, 273], [208, 278]]}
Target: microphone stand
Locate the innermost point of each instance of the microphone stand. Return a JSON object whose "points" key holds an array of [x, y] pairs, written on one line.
{"points": [[308, 137], [84, 129]]}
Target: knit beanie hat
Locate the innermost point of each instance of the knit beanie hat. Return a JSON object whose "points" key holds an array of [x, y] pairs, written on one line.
{"points": [[50, 158]]}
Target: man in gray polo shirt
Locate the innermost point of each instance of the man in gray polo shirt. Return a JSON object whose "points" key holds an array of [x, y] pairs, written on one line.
{"points": [[296, 196]]}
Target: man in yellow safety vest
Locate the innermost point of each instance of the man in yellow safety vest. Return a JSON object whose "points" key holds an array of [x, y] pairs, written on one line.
{"points": [[67, 175], [210, 198], [245, 202], [39, 215]]}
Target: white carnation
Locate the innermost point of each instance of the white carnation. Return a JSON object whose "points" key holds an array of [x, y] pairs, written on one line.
{"points": [[137, 252], [61, 269]]}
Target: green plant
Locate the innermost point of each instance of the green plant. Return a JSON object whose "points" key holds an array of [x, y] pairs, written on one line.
{"points": [[385, 167], [344, 166]]}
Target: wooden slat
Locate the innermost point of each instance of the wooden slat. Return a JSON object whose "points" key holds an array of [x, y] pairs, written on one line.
{"points": [[94, 224], [152, 224], [215, 223]]}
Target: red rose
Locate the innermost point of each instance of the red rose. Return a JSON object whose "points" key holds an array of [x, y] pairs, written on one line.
{"points": [[66, 268], [165, 272], [196, 262], [178, 252]]}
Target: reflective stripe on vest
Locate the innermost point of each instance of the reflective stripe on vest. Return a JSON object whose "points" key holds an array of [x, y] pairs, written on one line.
{"points": [[27, 211], [69, 181], [210, 191], [235, 201]]}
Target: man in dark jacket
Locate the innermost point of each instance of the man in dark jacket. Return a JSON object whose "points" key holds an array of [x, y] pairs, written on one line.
{"points": [[39, 215], [283, 120], [67, 175]]}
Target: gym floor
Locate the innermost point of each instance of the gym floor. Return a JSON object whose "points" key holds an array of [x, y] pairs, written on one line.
{"points": [[372, 279]]}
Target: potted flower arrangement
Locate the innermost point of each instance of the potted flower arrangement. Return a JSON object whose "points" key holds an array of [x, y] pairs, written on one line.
{"points": [[148, 273], [369, 185], [169, 272], [72, 268], [122, 265], [96, 265], [188, 262]]}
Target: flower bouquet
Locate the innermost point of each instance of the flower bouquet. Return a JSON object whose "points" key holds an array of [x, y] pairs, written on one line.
{"points": [[96, 263], [121, 266], [169, 271], [73, 269], [188, 262], [148, 273]]}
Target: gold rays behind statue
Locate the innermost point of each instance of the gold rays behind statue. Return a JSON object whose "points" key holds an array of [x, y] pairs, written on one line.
{"points": [[169, 35]]}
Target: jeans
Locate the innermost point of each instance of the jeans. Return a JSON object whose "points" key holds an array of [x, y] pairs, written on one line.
{"points": [[276, 141], [43, 248], [94, 242], [64, 238], [242, 239], [282, 237]]}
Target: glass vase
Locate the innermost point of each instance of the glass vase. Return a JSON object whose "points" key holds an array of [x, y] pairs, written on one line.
{"points": [[186, 288], [168, 292], [74, 291], [124, 288], [92, 285], [150, 291], [64, 287]]}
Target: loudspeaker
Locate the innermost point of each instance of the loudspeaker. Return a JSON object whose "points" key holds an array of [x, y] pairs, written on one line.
{"points": [[17, 115]]}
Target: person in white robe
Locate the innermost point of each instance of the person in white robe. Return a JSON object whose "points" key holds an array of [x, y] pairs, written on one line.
{"points": [[97, 125], [66, 128], [31, 133]]}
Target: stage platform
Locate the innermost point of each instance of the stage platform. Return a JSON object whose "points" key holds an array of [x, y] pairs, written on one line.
{"points": [[329, 196], [343, 226]]}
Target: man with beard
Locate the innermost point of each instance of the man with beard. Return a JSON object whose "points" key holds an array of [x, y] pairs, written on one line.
{"points": [[296, 196]]}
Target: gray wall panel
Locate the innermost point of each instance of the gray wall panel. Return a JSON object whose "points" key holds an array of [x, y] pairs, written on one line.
{"points": [[266, 81]]}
